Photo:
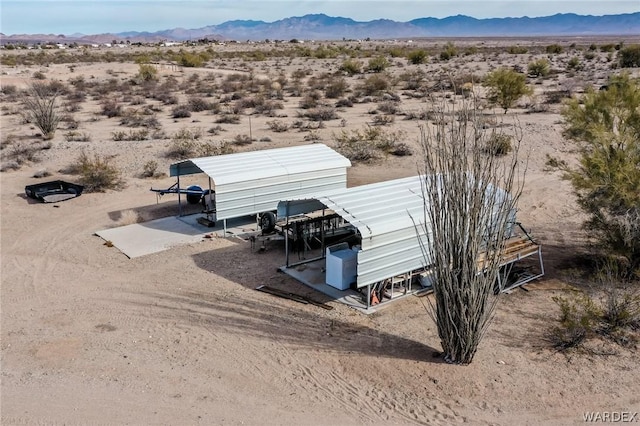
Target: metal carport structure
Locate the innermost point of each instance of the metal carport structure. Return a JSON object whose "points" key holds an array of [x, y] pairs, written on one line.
{"points": [[253, 182], [390, 220]]}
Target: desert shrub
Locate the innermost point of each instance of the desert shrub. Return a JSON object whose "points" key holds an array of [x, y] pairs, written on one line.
{"points": [[554, 48], [413, 79], [185, 143], [74, 136], [383, 120], [377, 64], [215, 130], [344, 102], [312, 136], [374, 84], [389, 107], [449, 51], [39, 75], [336, 88], [574, 64], [278, 126], [42, 108], [351, 66], [9, 89], [498, 144], [131, 135], [418, 56], [321, 113], [15, 154], [188, 59], [369, 144], [517, 50], [505, 87], [630, 56], [589, 56], [147, 72], [111, 108], [228, 119], [97, 173], [609, 47], [242, 140], [556, 96], [539, 68], [614, 315], [150, 170], [606, 123], [268, 107], [198, 104], [311, 99], [181, 111]]}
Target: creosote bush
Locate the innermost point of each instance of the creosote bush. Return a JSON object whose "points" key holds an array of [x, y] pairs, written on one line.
{"points": [[370, 143], [97, 173], [505, 87]]}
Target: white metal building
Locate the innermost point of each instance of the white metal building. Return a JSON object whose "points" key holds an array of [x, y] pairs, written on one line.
{"points": [[253, 182], [389, 218]]}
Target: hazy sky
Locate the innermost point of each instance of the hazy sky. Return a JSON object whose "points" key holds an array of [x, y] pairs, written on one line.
{"points": [[101, 16]]}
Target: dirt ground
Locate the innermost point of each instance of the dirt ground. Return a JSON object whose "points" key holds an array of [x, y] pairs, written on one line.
{"points": [[89, 336]]}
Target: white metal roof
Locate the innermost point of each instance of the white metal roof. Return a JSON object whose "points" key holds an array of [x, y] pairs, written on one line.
{"points": [[390, 218], [245, 166], [254, 182]]}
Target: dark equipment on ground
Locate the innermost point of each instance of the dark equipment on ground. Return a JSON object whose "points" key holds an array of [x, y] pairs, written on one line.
{"points": [[54, 191]]}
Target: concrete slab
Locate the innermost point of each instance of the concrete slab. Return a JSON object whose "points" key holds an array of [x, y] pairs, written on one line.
{"points": [[140, 239]]}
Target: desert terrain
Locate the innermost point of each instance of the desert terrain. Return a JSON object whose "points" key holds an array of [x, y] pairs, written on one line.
{"points": [[89, 336]]}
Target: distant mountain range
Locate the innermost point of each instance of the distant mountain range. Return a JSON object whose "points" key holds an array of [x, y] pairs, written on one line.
{"points": [[323, 27]]}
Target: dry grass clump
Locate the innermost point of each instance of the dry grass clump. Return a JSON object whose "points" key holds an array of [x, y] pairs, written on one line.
{"points": [[227, 118]]}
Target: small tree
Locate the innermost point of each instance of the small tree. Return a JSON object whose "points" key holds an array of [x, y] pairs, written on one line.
{"points": [[607, 179], [42, 108], [505, 87], [470, 200]]}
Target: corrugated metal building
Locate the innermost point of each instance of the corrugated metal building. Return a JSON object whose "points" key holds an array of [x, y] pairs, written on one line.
{"points": [[390, 221], [253, 182]]}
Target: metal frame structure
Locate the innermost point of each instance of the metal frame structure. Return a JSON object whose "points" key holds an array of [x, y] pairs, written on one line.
{"points": [[254, 182], [388, 218]]}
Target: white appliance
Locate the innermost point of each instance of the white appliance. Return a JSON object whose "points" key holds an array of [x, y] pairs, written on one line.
{"points": [[341, 266]]}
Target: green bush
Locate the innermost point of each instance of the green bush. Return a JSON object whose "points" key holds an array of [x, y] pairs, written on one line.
{"points": [[449, 51], [630, 56], [378, 64], [505, 87], [374, 84], [614, 315], [554, 49], [147, 72], [606, 123], [417, 57], [538, 68], [351, 66]]}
